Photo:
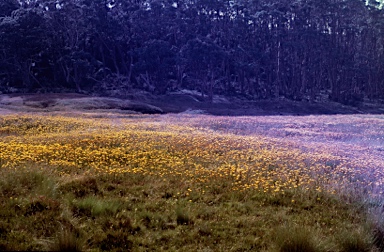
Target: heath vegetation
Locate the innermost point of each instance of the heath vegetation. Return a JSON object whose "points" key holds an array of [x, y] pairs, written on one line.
{"points": [[190, 183]]}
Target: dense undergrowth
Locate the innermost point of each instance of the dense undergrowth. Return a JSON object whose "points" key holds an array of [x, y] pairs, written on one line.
{"points": [[150, 184]]}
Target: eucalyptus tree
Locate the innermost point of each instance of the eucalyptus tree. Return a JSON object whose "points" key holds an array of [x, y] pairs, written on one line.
{"points": [[23, 46], [7, 7], [257, 49]]}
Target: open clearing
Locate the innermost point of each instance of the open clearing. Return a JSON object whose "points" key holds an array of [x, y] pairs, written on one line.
{"points": [[112, 181]]}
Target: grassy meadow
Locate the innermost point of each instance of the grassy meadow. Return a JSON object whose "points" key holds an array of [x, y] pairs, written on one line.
{"points": [[115, 182]]}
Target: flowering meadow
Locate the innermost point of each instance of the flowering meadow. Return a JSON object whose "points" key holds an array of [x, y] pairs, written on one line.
{"points": [[276, 157], [272, 154]]}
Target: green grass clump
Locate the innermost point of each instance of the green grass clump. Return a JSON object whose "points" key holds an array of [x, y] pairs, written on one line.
{"points": [[93, 207]]}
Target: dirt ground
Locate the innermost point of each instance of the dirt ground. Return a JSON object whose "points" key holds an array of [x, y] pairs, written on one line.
{"points": [[71, 102], [176, 103]]}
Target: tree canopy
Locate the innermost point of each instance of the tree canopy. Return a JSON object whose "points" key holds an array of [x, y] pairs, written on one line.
{"points": [[300, 49]]}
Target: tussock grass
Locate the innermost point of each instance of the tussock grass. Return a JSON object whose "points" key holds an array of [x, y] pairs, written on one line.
{"points": [[183, 217], [355, 241], [96, 186], [132, 213], [296, 239], [18, 182], [66, 241], [376, 224]]}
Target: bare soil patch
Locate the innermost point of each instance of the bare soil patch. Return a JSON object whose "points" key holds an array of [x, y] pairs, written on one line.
{"points": [[187, 102], [72, 102], [177, 103]]}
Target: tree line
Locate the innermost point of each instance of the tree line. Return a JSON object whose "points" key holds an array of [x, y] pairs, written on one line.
{"points": [[259, 49]]}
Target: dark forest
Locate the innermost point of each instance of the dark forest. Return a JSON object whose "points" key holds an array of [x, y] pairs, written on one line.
{"points": [[300, 50]]}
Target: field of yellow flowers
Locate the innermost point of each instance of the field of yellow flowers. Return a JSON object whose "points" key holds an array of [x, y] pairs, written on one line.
{"points": [[274, 156], [261, 153]]}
